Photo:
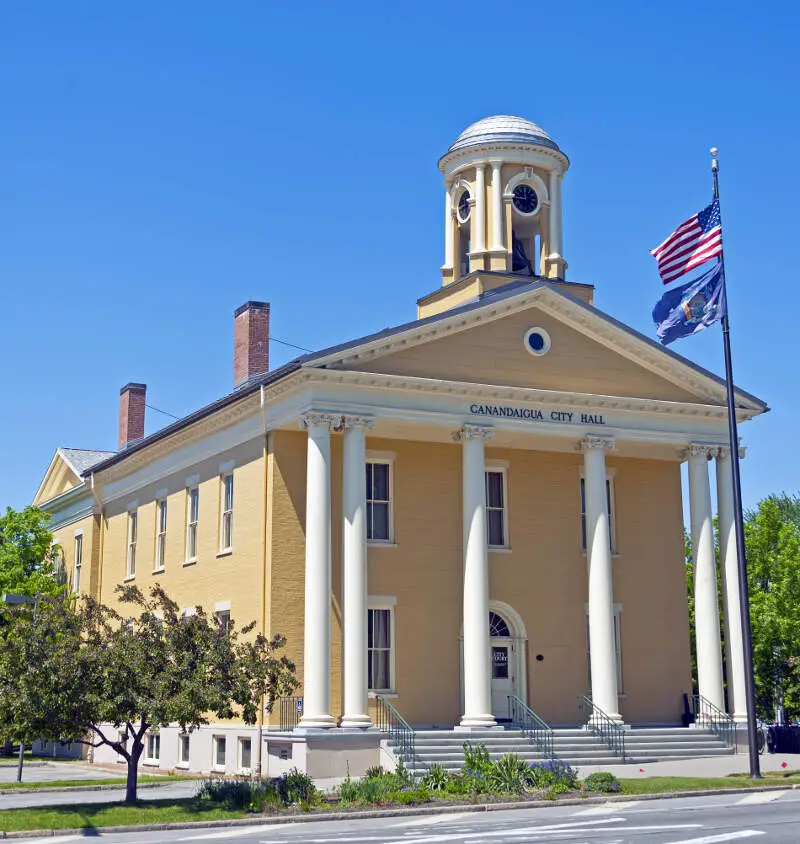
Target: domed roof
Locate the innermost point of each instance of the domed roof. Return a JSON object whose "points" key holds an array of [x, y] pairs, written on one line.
{"points": [[503, 128]]}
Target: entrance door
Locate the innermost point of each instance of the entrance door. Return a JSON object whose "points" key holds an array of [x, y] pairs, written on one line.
{"points": [[503, 665]]}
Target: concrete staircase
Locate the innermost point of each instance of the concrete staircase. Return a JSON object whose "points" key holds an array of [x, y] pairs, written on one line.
{"points": [[575, 746]]}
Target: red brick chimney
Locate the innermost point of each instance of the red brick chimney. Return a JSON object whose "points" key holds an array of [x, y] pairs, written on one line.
{"points": [[131, 413], [250, 341]]}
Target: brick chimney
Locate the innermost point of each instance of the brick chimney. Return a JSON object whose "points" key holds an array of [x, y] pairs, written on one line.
{"points": [[250, 341], [131, 414]]}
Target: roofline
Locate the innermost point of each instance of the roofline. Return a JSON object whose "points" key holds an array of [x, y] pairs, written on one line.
{"points": [[231, 398], [313, 358]]}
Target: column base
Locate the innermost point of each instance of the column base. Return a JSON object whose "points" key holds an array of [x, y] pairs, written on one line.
{"points": [[316, 722], [362, 722], [477, 722]]}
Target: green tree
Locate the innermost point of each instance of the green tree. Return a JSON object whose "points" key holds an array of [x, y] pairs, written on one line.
{"points": [[27, 554], [84, 672], [772, 536]]}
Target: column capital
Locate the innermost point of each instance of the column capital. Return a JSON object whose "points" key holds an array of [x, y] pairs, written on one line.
{"points": [[349, 421], [473, 432], [314, 419], [591, 443], [700, 450], [724, 452]]}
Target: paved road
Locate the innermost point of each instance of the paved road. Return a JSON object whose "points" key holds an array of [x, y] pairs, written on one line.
{"points": [[33, 799], [42, 772], [769, 817]]}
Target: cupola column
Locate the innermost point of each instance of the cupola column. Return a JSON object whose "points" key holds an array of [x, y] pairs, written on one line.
{"points": [[497, 207], [706, 600], [479, 218], [556, 263], [448, 229], [477, 660], [317, 624]]}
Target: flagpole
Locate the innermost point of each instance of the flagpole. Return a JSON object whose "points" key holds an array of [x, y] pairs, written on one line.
{"points": [[741, 558]]}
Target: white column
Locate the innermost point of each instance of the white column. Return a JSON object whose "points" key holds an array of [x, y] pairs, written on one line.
{"points": [[477, 662], [706, 604], [602, 650], [448, 229], [497, 207], [737, 696], [555, 215], [354, 568], [317, 635], [479, 220]]}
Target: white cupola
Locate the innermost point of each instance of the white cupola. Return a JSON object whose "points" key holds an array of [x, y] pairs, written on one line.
{"points": [[503, 200]]}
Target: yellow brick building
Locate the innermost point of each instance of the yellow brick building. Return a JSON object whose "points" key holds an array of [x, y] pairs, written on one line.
{"points": [[439, 517]]}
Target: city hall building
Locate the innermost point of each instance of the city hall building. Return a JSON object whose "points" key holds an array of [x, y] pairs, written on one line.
{"points": [[478, 507]]}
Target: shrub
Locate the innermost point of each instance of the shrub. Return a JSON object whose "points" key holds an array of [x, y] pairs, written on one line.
{"points": [[402, 773], [509, 775], [296, 787], [544, 774], [408, 796], [436, 778], [241, 795], [374, 773], [349, 791], [476, 759], [602, 782]]}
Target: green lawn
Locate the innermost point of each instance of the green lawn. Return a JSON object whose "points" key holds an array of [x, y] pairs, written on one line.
{"points": [[143, 778], [659, 785], [90, 815]]}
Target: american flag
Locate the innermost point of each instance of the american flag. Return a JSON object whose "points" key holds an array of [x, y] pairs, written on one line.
{"points": [[693, 243]]}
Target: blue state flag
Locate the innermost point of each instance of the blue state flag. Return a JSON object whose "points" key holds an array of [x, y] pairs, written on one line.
{"points": [[690, 308]]}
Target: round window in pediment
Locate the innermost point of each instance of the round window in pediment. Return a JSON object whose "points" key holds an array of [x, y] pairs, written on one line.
{"points": [[537, 341]]}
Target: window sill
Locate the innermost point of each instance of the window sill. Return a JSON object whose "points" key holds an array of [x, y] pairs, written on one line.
{"points": [[184, 766], [226, 552], [392, 695], [192, 562], [500, 549], [218, 769], [615, 555], [151, 763], [129, 578], [380, 543], [160, 570]]}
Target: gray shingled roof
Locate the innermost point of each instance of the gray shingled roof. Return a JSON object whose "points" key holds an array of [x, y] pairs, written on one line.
{"points": [[81, 460]]}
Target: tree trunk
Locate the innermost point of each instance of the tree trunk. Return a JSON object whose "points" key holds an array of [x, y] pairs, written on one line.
{"points": [[133, 770]]}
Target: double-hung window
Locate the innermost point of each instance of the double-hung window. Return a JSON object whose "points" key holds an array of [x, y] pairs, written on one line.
{"points": [[192, 513], [379, 501], [496, 515], [612, 521], [153, 752], [76, 576], [226, 511], [224, 619], [161, 533], [245, 754], [133, 520], [183, 750], [380, 635], [219, 749]]}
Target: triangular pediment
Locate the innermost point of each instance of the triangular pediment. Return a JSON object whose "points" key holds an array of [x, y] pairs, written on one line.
{"points": [[64, 472], [484, 343]]}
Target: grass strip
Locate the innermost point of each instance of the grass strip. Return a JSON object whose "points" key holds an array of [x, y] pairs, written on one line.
{"points": [[661, 785], [143, 778], [90, 815]]}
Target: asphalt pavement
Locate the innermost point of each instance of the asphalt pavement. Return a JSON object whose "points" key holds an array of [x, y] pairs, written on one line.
{"points": [[771, 817]]}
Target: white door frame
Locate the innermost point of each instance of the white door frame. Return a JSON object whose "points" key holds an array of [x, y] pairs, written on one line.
{"points": [[519, 641]]}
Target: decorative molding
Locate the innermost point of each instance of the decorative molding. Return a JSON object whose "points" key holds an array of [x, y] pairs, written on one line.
{"points": [[473, 432], [724, 452], [349, 421], [700, 450], [316, 419], [591, 443]]}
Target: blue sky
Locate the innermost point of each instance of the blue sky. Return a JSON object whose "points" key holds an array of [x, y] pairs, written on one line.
{"points": [[163, 163]]}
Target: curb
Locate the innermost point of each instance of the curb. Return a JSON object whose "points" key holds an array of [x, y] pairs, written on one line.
{"points": [[395, 813], [9, 792]]}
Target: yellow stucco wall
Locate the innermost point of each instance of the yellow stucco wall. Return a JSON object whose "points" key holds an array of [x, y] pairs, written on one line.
{"points": [[543, 577]]}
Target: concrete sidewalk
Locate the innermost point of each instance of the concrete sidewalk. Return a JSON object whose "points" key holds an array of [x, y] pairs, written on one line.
{"points": [[705, 766]]}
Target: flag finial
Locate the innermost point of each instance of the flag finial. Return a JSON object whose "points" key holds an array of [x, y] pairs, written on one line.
{"points": [[714, 163]]}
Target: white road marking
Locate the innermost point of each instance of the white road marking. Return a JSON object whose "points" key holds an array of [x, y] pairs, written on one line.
{"points": [[719, 839], [761, 797], [228, 833], [51, 839], [428, 819], [608, 809]]}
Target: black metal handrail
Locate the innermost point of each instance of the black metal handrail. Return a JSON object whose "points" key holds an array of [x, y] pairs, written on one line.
{"points": [[291, 710], [706, 714], [608, 731], [538, 731], [389, 720]]}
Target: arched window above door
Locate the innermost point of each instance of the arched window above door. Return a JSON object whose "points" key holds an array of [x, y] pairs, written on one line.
{"points": [[498, 627]]}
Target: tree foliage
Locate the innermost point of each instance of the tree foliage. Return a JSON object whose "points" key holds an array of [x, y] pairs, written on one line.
{"points": [[79, 667], [27, 553], [772, 536]]}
